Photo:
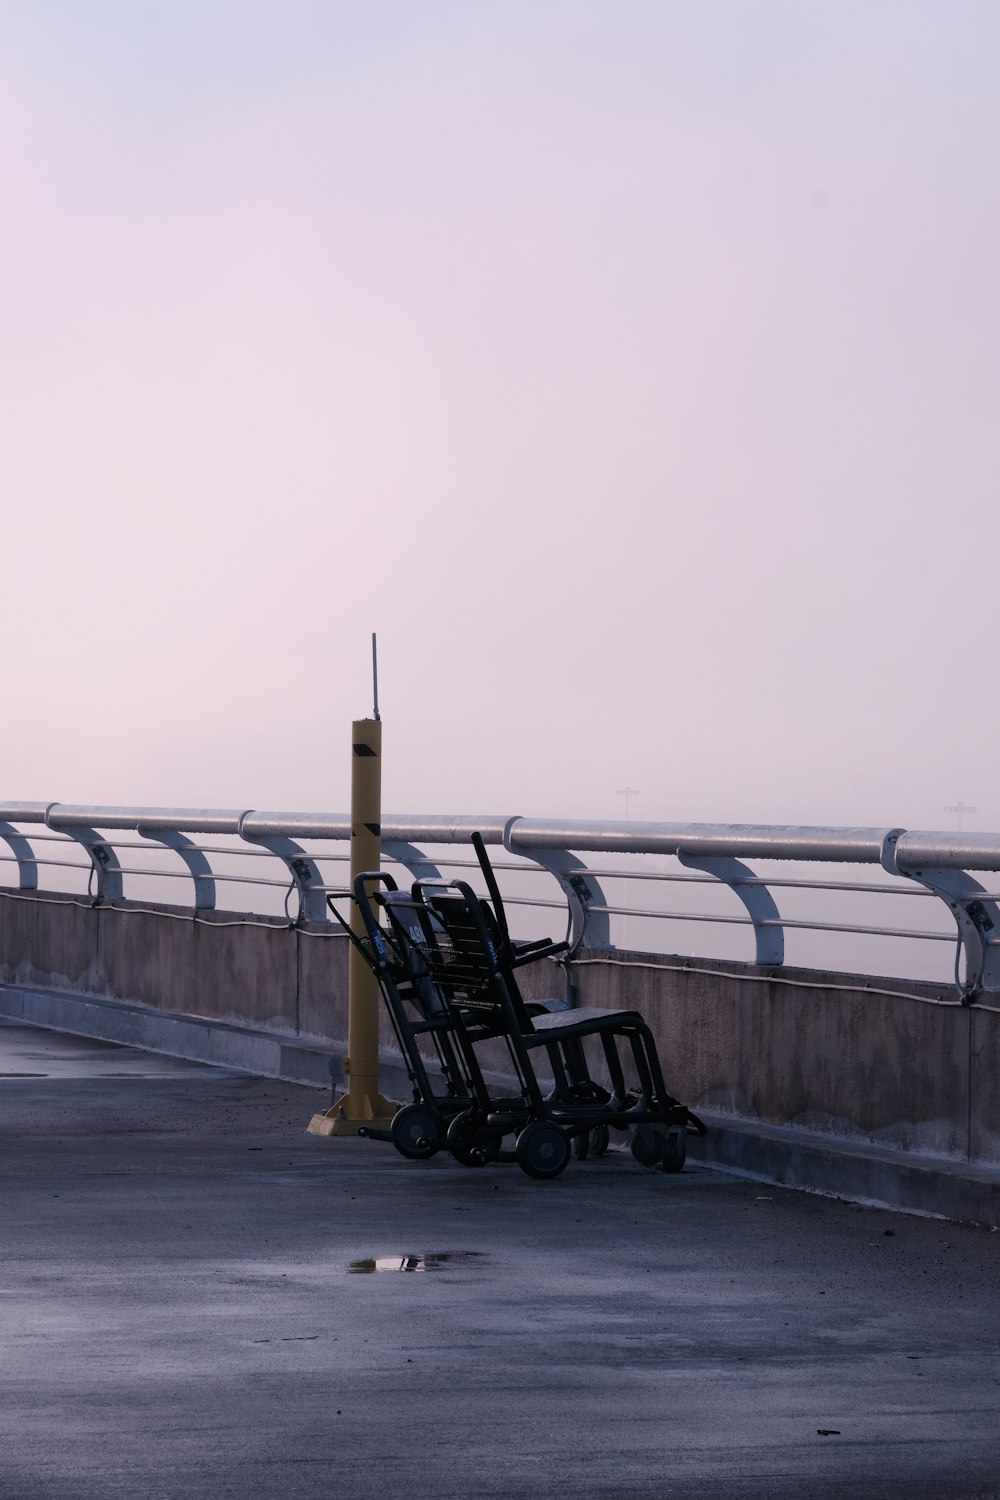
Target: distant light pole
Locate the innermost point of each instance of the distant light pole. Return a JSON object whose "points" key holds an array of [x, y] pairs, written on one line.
{"points": [[628, 792], [959, 808]]}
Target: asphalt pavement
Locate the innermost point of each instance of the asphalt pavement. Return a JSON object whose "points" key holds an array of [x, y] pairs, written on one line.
{"points": [[199, 1300]]}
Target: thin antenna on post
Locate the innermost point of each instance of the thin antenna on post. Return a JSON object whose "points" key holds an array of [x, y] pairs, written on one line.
{"points": [[375, 672]]}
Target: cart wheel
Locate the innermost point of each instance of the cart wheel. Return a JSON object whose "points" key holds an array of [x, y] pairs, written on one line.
{"points": [[462, 1130], [415, 1132], [674, 1151], [647, 1145], [599, 1140], [470, 1156], [542, 1149], [472, 1142], [581, 1145]]}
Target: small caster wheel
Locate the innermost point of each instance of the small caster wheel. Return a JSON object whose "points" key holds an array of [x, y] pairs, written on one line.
{"points": [[415, 1132], [470, 1156], [674, 1150], [599, 1140], [581, 1146], [542, 1149], [466, 1140], [461, 1130], [647, 1145]]}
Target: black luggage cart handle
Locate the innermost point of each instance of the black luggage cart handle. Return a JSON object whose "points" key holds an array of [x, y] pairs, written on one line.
{"points": [[513, 953], [375, 956]]}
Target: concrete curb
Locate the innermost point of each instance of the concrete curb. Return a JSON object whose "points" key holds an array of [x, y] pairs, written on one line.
{"points": [[792, 1158], [268, 1054], [854, 1170]]}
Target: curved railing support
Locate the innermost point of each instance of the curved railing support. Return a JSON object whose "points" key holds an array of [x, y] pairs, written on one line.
{"points": [[976, 918], [582, 890], [411, 858], [105, 884], [27, 866], [306, 878], [757, 899], [198, 866]]}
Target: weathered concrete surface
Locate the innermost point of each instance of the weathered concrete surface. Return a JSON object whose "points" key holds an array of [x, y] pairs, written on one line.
{"points": [[824, 1054], [248, 970], [141, 955], [984, 1090], [851, 1170], [179, 1317], [245, 971], [812, 1160], [858, 1064], [222, 1043], [49, 941], [703, 1022], [785, 1050], [321, 983]]}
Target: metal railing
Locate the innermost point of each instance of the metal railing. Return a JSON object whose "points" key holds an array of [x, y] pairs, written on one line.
{"points": [[709, 857]]}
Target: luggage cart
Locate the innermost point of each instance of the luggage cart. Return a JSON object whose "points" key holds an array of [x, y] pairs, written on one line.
{"points": [[473, 973], [416, 1010], [401, 931], [446, 966]]}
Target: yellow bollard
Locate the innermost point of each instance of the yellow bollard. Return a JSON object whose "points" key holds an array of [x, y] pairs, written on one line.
{"points": [[362, 1104]]}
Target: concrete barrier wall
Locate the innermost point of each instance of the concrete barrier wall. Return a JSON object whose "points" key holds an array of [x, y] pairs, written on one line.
{"points": [[822, 1052], [253, 971]]}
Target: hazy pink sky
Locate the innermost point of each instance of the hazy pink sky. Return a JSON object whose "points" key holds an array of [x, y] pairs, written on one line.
{"points": [[631, 368]]}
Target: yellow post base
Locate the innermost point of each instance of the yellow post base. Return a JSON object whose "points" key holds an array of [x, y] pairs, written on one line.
{"points": [[377, 1113]]}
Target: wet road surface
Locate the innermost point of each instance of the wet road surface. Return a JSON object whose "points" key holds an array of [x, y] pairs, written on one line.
{"points": [[199, 1299]]}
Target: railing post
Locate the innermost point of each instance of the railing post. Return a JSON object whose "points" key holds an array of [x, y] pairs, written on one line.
{"points": [[103, 859], [27, 867], [411, 858], [306, 878], [977, 919], [581, 889], [757, 899], [198, 866]]}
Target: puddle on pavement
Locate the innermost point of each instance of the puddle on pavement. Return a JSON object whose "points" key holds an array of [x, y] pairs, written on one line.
{"points": [[446, 1260]]}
